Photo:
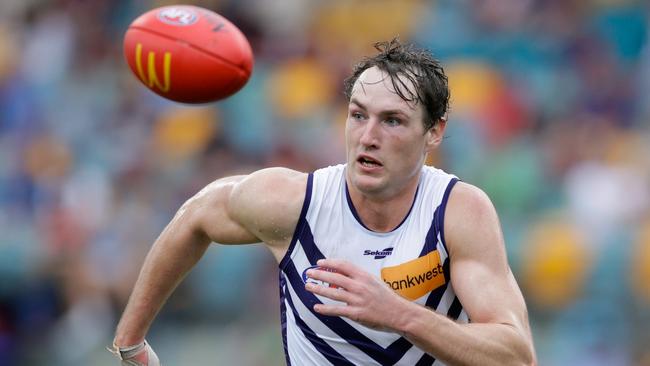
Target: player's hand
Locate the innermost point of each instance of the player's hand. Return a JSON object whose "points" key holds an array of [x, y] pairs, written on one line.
{"points": [[137, 355], [367, 300]]}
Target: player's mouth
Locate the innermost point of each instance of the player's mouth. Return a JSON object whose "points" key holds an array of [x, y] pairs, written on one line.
{"points": [[368, 163]]}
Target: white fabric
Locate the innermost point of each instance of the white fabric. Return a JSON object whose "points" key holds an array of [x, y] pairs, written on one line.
{"points": [[338, 234]]}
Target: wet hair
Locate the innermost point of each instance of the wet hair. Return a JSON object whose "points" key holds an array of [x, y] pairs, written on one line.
{"points": [[419, 67]]}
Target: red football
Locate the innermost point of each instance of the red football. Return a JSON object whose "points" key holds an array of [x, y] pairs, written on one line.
{"points": [[188, 54]]}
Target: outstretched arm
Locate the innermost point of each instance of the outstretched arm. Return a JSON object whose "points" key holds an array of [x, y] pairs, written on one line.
{"points": [[178, 248], [499, 333], [261, 207]]}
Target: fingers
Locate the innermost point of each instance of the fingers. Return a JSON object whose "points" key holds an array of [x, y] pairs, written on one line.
{"points": [[337, 294], [341, 287], [336, 290], [335, 310], [341, 266], [333, 278]]}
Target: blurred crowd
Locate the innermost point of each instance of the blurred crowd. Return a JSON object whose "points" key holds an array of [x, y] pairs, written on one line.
{"points": [[550, 115]]}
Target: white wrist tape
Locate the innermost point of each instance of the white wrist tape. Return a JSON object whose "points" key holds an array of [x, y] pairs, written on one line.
{"points": [[124, 353]]}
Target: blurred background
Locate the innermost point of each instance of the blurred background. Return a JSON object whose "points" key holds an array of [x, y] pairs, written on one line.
{"points": [[550, 116]]}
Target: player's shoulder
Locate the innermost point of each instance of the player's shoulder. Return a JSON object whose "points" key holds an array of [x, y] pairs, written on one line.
{"points": [[268, 202], [469, 215], [271, 184], [277, 176], [468, 197], [328, 178], [436, 176]]}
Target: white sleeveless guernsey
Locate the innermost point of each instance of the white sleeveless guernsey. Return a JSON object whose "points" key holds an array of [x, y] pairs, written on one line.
{"points": [[412, 259]]}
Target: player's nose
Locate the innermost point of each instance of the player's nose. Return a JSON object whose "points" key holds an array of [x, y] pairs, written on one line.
{"points": [[370, 134]]}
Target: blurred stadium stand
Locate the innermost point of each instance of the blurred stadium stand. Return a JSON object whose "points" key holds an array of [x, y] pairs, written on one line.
{"points": [[550, 115]]}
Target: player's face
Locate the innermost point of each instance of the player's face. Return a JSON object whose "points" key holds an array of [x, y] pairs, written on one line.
{"points": [[385, 137]]}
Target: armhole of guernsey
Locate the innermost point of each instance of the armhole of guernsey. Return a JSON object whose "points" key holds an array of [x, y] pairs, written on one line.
{"points": [[302, 221], [440, 219]]}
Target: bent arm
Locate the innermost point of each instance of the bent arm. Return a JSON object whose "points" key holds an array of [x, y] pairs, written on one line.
{"points": [[479, 343], [499, 333]]}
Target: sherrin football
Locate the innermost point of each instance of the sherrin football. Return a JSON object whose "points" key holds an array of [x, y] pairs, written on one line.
{"points": [[188, 54]]}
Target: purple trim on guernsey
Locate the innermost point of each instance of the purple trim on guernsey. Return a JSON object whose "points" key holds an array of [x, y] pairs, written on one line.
{"points": [[439, 220], [356, 214], [302, 221], [384, 356], [283, 317], [321, 346]]}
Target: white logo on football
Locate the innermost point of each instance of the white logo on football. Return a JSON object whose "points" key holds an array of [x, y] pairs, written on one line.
{"points": [[177, 16]]}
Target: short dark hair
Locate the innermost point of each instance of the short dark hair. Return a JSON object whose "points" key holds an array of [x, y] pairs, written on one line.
{"points": [[419, 67]]}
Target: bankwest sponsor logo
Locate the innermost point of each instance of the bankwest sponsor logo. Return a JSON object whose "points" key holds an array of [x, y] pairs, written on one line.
{"points": [[415, 278], [152, 78], [379, 254]]}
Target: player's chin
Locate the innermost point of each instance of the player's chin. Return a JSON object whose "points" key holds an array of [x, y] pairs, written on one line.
{"points": [[368, 183]]}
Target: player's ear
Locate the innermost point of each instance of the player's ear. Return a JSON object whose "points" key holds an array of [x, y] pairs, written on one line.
{"points": [[435, 134]]}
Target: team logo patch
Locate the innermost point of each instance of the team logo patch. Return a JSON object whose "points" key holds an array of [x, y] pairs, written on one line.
{"points": [[415, 278], [307, 279], [379, 254], [177, 16]]}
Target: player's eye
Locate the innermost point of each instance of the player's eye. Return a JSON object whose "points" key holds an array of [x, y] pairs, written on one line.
{"points": [[357, 115], [391, 121]]}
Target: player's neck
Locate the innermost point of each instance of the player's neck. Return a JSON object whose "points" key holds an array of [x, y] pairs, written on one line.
{"points": [[383, 213]]}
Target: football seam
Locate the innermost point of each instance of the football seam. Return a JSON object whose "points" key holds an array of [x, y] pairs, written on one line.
{"points": [[238, 67]]}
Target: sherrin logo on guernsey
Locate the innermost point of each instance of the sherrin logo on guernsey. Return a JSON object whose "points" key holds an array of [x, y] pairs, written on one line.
{"points": [[415, 278], [177, 16], [151, 68]]}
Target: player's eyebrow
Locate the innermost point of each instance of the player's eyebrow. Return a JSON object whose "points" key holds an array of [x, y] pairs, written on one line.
{"points": [[357, 103], [388, 112]]}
